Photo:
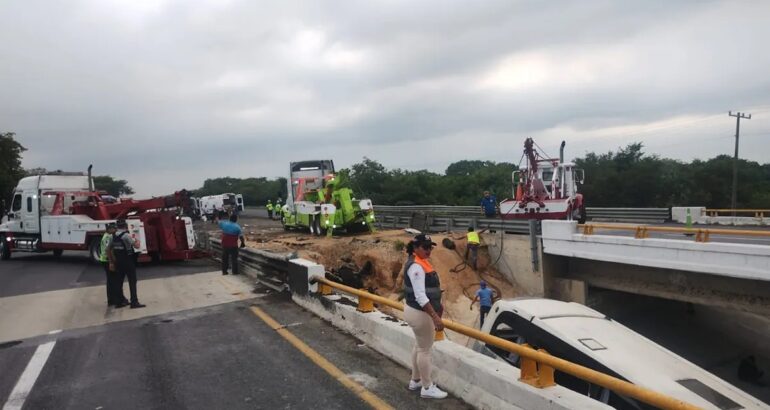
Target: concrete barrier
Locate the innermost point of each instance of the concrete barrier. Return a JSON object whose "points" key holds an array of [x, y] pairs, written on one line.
{"points": [[698, 216], [479, 380]]}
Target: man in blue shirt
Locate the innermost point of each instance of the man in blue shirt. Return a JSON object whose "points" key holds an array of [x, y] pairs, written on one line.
{"points": [[489, 205], [231, 232], [484, 296]]}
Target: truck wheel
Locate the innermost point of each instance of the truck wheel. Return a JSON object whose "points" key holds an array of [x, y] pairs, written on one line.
{"points": [[94, 251], [57, 252], [5, 251]]}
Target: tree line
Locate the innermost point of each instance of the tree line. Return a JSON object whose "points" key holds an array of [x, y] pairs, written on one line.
{"points": [[626, 177]]}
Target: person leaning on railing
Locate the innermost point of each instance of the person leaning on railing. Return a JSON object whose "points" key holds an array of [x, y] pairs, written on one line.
{"points": [[422, 312]]}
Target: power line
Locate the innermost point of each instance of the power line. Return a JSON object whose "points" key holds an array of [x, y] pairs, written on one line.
{"points": [[738, 116]]}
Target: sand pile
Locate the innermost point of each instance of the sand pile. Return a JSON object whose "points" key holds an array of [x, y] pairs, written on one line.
{"points": [[385, 251]]}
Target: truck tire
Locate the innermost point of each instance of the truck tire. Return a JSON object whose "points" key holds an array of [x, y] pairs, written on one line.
{"points": [[5, 251], [58, 252], [93, 250]]}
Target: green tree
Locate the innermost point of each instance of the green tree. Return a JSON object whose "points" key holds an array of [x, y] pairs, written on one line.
{"points": [[10, 164], [115, 187]]}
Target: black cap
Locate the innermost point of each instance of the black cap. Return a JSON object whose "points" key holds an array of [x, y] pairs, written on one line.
{"points": [[121, 223], [111, 225], [422, 239]]}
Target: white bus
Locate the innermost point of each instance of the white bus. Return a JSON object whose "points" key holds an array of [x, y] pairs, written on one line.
{"points": [[577, 333]]}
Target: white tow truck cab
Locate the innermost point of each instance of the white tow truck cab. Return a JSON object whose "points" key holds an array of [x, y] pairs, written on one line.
{"points": [[579, 334], [40, 218]]}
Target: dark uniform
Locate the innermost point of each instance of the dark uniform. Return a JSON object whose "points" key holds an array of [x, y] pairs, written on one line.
{"points": [[125, 263]]}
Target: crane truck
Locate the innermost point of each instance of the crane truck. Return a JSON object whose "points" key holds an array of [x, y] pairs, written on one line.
{"points": [[62, 211], [317, 202], [547, 188]]}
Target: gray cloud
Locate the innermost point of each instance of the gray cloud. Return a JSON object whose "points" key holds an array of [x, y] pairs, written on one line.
{"points": [[165, 93]]}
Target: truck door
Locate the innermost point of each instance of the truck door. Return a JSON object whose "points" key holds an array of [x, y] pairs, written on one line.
{"points": [[14, 214], [30, 215]]}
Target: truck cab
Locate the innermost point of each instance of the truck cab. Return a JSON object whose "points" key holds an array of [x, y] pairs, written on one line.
{"points": [[21, 227]]}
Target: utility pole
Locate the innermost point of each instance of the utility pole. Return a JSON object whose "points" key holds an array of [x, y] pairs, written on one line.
{"points": [[738, 116]]}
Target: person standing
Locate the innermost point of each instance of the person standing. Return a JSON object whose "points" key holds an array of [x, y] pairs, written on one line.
{"points": [[484, 296], [123, 258], [231, 232], [277, 209], [472, 246], [422, 311], [269, 207], [114, 293], [489, 206]]}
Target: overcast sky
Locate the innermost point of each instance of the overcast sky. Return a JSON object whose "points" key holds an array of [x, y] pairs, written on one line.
{"points": [[168, 93]]}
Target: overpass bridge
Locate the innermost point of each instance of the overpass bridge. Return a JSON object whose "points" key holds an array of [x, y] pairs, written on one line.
{"points": [[672, 266]]}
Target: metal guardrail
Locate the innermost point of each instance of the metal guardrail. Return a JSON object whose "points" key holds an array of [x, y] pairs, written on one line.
{"points": [[441, 218], [271, 269], [757, 213], [642, 231], [448, 218], [537, 366], [647, 215]]}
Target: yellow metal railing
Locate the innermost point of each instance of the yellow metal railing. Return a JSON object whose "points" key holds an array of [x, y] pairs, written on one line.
{"points": [[537, 366], [643, 231], [758, 213]]}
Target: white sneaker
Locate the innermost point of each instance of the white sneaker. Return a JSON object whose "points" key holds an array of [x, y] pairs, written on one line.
{"points": [[414, 385], [432, 392]]}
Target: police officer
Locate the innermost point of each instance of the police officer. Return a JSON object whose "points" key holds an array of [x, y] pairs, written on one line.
{"points": [[123, 257], [114, 290]]}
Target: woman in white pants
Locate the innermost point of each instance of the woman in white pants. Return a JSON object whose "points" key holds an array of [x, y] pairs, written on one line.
{"points": [[422, 312]]}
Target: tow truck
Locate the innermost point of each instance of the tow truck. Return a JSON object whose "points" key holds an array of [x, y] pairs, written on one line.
{"points": [[316, 201], [547, 188], [62, 211]]}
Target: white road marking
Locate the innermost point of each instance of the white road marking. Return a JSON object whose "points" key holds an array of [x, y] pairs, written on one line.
{"points": [[28, 378], [53, 332]]}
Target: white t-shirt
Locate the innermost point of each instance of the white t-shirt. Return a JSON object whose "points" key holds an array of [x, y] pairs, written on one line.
{"points": [[417, 276]]}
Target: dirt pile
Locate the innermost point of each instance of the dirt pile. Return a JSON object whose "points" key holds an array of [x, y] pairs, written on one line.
{"points": [[383, 254]]}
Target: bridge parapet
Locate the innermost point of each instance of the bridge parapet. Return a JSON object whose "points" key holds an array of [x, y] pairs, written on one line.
{"points": [[725, 259]]}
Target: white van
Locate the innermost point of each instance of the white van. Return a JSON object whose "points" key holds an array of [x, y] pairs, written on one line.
{"points": [[577, 333]]}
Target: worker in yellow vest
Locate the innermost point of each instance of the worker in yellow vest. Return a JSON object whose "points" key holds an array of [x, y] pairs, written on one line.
{"points": [[269, 207], [472, 247]]}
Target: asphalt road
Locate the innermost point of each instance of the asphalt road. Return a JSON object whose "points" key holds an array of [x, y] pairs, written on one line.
{"points": [[28, 273], [218, 356]]}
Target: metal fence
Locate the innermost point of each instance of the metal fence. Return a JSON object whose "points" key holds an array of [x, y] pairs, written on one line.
{"points": [[270, 268], [440, 218], [443, 218], [643, 215]]}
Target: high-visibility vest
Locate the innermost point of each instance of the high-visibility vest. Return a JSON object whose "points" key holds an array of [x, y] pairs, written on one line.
{"points": [[432, 284], [473, 237], [269, 206], [105, 243]]}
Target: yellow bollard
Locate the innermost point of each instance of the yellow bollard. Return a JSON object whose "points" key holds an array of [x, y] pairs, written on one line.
{"points": [[324, 289], [365, 305], [536, 374]]}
